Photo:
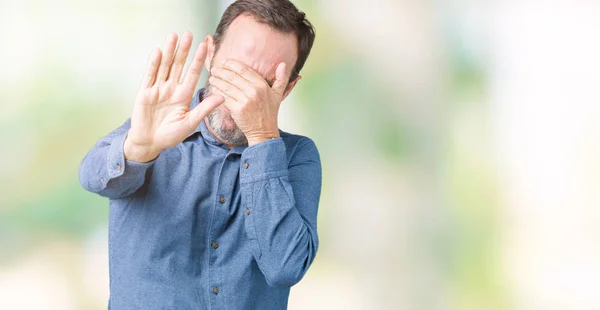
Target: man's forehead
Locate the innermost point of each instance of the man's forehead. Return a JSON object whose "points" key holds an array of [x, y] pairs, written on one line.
{"points": [[258, 46]]}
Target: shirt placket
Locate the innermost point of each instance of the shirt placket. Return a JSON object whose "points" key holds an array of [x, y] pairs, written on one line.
{"points": [[222, 203]]}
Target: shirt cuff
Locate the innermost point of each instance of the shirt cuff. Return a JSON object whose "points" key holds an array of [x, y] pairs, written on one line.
{"points": [[118, 166], [263, 161]]}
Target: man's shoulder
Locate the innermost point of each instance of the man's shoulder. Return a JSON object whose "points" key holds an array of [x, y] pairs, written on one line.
{"points": [[293, 138], [297, 143]]}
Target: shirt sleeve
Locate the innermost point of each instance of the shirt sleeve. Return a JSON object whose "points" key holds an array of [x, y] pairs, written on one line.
{"points": [[105, 171], [281, 204]]}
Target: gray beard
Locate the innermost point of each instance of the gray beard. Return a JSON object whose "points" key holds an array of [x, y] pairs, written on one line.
{"points": [[216, 118]]}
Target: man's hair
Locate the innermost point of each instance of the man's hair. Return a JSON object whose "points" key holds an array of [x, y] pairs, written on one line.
{"points": [[281, 15]]}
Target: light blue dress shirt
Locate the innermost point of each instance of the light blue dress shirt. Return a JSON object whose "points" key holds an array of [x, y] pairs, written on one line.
{"points": [[205, 227]]}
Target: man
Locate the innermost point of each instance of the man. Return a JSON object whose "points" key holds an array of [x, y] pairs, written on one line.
{"points": [[211, 205]]}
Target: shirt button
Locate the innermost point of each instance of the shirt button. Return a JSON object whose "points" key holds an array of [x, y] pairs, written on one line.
{"points": [[119, 167], [214, 244], [222, 199], [246, 165], [102, 180], [216, 290], [247, 212]]}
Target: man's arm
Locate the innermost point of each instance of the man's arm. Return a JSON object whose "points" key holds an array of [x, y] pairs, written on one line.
{"points": [[105, 171], [281, 208], [161, 118], [281, 200]]}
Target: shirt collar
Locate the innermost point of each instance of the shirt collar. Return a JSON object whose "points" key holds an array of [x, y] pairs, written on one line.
{"points": [[195, 101]]}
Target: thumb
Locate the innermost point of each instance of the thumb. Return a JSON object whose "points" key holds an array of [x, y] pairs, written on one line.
{"points": [[281, 79], [197, 114]]}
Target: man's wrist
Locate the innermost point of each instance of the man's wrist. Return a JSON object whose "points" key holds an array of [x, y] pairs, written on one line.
{"points": [[137, 153], [256, 140]]}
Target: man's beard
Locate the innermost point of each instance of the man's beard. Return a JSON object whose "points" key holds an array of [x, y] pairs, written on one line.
{"points": [[217, 119]]}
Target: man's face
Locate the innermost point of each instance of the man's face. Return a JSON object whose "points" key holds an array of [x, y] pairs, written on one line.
{"points": [[259, 47]]}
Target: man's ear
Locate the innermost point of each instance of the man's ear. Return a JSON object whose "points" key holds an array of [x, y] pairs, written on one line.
{"points": [[290, 86], [210, 51]]}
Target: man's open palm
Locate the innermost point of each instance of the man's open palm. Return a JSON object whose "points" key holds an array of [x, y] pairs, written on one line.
{"points": [[161, 115]]}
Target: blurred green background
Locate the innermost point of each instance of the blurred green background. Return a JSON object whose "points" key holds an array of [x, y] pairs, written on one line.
{"points": [[459, 141]]}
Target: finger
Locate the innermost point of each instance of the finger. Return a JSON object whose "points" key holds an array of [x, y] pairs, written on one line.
{"points": [[153, 63], [167, 57], [244, 71], [227, 88], [181, 55], [195, 69], [247, 87], [281, 79], [197, 114]]}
